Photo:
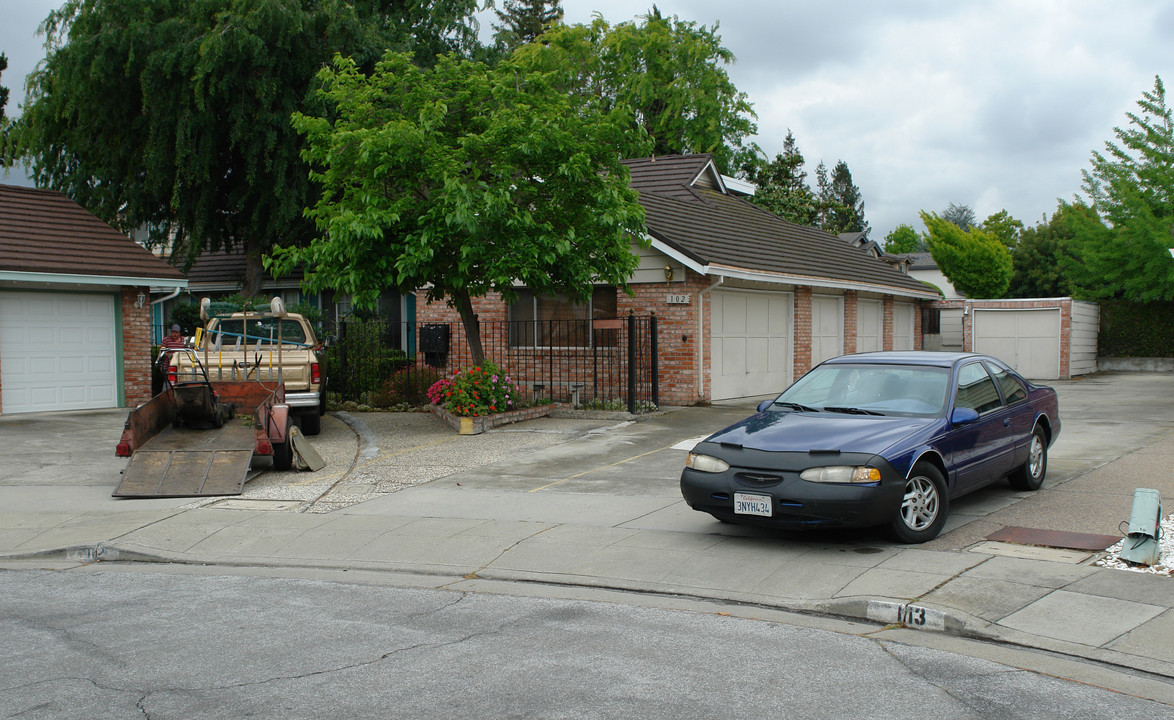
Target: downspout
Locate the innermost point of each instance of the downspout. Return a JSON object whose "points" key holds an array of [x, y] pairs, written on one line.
{"points": [[159, 303], [701, 333]]}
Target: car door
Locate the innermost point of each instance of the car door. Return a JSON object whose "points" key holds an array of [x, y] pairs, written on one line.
{"points": [[1020, 412], [985, 448]]}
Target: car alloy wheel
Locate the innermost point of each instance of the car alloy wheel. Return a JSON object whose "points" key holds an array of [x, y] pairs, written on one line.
{"points": [[1030, 475], [924, 506]]}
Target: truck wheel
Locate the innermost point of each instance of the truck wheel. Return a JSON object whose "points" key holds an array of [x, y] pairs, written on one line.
{"points": [[283, 452], [310, 422]]}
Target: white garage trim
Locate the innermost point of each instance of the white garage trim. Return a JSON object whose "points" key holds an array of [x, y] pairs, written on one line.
{"points": [[1027, 339], [751, 342], [59, 351]]}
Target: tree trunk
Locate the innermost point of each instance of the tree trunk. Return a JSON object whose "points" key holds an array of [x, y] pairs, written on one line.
{"points": [[471, 324], [254, 275]]}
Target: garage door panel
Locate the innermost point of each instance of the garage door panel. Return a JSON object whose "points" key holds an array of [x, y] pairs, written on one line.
{"points": [[750, 343], [1027, 340], [57, 351]]}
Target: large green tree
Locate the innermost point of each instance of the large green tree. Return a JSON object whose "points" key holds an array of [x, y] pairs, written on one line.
{"points": [[3, 90], [1005, 227], [522, 21], [782, 184], [670, 72], [1042, 259], [976, 263], [846, 206], [904, 239], [463, 179], [1131, 186], [174, 114]]}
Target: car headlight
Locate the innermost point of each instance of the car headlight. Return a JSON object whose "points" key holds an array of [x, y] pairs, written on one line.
{"points": [[841, 474], [706, 463]]}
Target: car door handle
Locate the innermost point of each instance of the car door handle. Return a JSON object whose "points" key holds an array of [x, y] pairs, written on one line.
{"points": [[1006, 422]]}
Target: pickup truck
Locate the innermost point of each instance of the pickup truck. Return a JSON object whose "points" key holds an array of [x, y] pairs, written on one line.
{"points": [[272, 347]]}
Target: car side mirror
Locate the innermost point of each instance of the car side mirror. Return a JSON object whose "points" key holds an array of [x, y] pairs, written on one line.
{"points": [[765, 404], [964, 416]]}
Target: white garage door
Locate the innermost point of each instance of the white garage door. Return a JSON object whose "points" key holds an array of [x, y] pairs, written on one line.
{"points": [[1027, 340], [903, 326], [869, 325], [827, 328], [750, 343], [57, 351]]}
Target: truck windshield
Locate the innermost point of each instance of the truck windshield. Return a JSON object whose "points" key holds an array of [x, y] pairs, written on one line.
{"points": [[227, 333]]}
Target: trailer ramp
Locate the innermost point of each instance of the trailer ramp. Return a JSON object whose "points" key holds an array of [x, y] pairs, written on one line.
{"points": [[180, 462]]}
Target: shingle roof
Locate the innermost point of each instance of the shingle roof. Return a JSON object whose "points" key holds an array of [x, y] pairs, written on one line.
{"points": [[43, 231], [229, 267], [713, 228]]}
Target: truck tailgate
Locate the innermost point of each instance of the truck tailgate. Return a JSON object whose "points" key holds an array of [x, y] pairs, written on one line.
{"points": [[182, 462]]}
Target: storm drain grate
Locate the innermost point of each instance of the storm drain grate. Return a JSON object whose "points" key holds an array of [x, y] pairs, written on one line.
{"points": [[1052, 538]]}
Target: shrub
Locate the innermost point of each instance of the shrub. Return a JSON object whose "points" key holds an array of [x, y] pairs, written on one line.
{"points": [[483, 390], [406, 386]]}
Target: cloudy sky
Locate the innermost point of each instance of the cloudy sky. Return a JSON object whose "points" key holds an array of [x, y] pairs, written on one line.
{"points": [[994, 104]]}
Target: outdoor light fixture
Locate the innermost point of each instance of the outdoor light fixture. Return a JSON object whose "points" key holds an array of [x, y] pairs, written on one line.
{"points": [[668, 273], [140, 300]]}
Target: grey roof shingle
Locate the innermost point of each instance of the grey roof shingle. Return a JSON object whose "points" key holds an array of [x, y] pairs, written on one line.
{"points": [[713, 228], [43, 231]]}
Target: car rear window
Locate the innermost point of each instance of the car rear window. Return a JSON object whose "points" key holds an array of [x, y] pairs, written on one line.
{"points": [[232, 332]]}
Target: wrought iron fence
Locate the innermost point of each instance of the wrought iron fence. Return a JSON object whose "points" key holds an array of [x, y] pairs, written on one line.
{"points": [[602, 364]]}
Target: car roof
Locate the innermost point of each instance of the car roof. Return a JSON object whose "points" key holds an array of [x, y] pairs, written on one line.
{"points": [[906, 357]]}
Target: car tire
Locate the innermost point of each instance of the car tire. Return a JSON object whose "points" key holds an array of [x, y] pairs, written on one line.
{"points": [[310, 422], [924, 505], [283, 451], [1030, 475]]}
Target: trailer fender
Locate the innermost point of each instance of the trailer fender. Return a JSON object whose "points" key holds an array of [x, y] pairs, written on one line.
{"points": [[278, 415]]}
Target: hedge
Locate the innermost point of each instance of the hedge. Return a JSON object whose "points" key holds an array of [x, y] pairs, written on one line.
{"points": [[1131, 329]]}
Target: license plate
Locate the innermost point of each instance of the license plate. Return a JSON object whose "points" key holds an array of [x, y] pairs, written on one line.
{"points": [[746, 504]]}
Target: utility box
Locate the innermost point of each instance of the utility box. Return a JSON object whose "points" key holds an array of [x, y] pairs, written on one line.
{"points": [[1141, 545]]}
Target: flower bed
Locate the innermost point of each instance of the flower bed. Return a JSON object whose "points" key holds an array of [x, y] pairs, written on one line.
{"points": [[466, 425]]}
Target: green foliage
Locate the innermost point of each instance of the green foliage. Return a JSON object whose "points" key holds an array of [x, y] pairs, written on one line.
{"points": [[524, 20], [977, 264], [1130, 329], [1138, 169], [464, 179], [667, 72], [477, 391], [782, 185], [3, 90], [174, 114], [1131, 187], [187, 316], [845, 205], [1042, 258], [904, 239], [1004, 227]]}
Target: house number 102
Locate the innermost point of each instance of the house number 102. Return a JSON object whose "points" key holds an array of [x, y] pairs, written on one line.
{"points": [[678, 299]]}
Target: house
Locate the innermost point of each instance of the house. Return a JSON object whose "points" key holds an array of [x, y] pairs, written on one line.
{"points": [[923, 267], [75, 307], [746, 301]]}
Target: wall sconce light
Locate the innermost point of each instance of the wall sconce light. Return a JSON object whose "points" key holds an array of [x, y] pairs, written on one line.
{"points": [[668, 273], [140, 300]]}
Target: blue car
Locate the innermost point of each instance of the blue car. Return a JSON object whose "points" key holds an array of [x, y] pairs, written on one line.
{"points": [[883, 438]]}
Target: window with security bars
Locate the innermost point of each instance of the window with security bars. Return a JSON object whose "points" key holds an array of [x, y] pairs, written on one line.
{"points": [[557, 321]]}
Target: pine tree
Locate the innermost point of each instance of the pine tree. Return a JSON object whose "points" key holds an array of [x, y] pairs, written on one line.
{"points": [[960, 215], [782, 184], [846, 210], [522, 21]]}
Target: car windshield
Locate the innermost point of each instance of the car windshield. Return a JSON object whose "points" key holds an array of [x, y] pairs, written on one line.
{"points": [[862, 389]]}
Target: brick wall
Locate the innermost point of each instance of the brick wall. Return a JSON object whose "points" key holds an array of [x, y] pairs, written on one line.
{"points": [[802, 359], [850, 320], [887, 321], [136, 347]]}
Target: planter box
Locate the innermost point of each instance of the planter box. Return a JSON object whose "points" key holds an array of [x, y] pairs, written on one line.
{"points": [[477, 425]]}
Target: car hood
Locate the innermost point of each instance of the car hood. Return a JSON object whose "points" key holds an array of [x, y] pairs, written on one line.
{"points": [[804, 432]]}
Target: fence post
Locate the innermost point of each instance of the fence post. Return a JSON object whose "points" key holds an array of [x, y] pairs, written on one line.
{"points": [[631, 363], [654, 362]]}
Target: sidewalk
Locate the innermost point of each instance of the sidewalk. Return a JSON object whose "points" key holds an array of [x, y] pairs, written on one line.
{"points": [[595, 504]]}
